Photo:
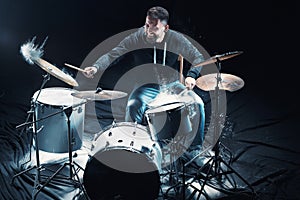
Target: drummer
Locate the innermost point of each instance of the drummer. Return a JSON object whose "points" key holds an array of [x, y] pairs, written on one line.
{"points": [[157, 46]]}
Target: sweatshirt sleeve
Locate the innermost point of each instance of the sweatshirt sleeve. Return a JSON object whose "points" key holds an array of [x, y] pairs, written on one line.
{"points": [[191, 54], [123, 47]]}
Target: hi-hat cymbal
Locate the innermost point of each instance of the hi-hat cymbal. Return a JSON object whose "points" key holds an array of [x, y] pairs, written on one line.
{"points": [[51, 69], [219, 58], [227, 82], [102, 95]]}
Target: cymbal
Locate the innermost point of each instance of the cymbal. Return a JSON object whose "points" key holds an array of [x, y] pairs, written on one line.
{"points": [[228, 82], [51, 69], [219, 58], [102, 95]]}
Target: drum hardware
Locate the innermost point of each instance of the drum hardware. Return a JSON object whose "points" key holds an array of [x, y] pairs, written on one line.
{"points": [[73, 172], [216, 160], [163, 116], [38, 166], [173, 169], [38, 186]]}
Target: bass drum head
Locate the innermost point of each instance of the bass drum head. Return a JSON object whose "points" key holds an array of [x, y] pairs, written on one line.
{"points": [[104, 182]]}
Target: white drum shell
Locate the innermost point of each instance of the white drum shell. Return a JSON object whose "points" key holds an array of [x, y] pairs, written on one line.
{"points": [[130, 137]]}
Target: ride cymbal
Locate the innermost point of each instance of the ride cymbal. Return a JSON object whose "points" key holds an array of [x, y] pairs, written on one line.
{"points": [[227, 82]]}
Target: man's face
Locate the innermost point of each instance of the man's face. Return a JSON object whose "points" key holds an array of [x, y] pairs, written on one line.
{"points": [[154, 30]]}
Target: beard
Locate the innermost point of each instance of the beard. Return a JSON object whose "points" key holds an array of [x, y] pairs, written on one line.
{"points": [[151, 38]]}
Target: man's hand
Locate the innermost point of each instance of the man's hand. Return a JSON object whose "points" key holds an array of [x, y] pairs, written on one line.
{"points": [[89, 72], [190, 83]]}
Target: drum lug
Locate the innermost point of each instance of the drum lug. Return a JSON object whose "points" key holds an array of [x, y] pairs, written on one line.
{"points": [[131, 143], [42, 109], [92, 147], [145, 149], [191, 111], [152, 154], [62, 113], [79, 110], [107, 144]]}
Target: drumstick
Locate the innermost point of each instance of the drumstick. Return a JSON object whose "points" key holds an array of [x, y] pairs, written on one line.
{"points": [[180, 58], [79, 69]]}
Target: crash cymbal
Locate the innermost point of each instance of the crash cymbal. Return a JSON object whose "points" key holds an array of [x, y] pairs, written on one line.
{"points": [[219, 57], [51, 69], [227, 82], [102, 95]]}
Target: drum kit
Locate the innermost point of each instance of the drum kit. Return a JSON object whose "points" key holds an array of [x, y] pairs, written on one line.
{"points": [[122, 151]]}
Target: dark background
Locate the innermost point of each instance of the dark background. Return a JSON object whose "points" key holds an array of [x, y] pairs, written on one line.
{"points": [[266, 32]]}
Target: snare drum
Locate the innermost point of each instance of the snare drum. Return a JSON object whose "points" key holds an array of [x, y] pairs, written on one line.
{"points": [[166, 121], [125, 163], [52, 132]]}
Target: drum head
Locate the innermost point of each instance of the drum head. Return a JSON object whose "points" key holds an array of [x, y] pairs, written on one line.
{"points": [[164, 99], [57, 96], [104, 182], [164, 108]]}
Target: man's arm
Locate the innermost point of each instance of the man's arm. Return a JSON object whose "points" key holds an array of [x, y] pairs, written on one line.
{"points": [[105, 60]]}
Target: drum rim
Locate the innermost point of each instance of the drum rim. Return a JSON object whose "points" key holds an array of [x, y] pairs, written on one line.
{"points": [[180, 106], [153, 158], [115, 124]]}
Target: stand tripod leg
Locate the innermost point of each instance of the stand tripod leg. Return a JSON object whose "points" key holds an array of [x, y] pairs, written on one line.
{"points": [[236, 173], [32, 112], [78, 165], [23, 172], [70, 163], [48, 181], [72, 167], [78, 179], [206, 177], [215, 163]]}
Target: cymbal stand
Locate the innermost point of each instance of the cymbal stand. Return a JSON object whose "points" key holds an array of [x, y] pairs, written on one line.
{"points": [[174, 178], [216, 160], [72, 170], [38, 166]]}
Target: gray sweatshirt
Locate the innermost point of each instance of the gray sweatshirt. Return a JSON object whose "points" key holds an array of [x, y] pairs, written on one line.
{"points": [[163, 53]]}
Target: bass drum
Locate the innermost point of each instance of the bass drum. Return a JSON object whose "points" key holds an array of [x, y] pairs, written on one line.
{"points": [[125, 163]]}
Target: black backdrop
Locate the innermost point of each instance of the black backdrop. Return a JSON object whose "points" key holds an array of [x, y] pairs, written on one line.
{"points": [[266, 31]]}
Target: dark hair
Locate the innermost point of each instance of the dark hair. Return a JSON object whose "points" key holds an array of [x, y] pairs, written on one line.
{"points": [[160, 13]]}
